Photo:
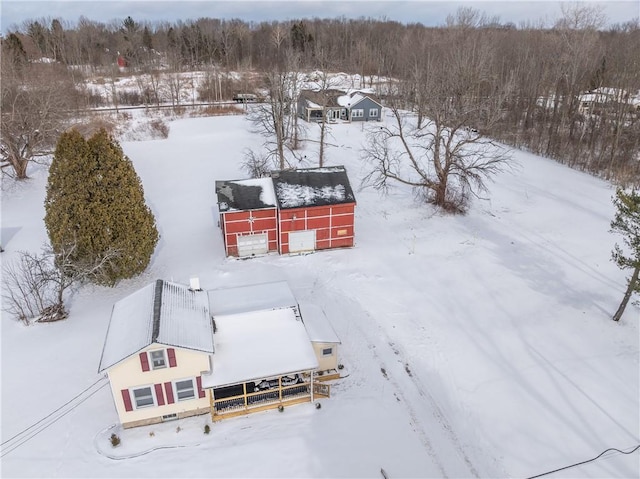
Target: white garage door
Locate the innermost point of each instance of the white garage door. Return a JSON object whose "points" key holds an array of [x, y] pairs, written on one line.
{"points": [[249, 245], [302, 241]]}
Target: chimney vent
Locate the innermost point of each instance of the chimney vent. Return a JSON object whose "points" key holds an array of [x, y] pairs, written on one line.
{"points": [[194, 284]]}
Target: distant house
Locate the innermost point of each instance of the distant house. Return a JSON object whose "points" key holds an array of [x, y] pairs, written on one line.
{"points": [[174, 351], [248, 216], [293, 211], [122, 62], [338, 105], [606, 98]]}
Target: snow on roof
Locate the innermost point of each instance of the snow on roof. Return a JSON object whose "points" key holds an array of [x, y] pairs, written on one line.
{"points": [[258, 345], [312, 187], [255, 297], [318, 98], [162, 312], [317, 324], [251, 194]]}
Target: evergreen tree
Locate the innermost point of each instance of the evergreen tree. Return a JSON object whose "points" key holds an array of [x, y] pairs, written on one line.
{"points": [[95, 202], [627, 223]]}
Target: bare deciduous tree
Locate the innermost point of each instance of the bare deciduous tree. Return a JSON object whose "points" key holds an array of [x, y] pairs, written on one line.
{"points": [[445, 156], [447, 165], [255, 164], [275, 119], [35, 285], [35, 104]]}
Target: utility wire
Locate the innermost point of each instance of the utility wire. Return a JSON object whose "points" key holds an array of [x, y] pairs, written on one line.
{"points": [[44, 426], [52, 413], [588, 460]]}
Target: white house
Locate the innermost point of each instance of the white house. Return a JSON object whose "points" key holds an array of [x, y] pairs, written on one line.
{"points": [[173, 351]]}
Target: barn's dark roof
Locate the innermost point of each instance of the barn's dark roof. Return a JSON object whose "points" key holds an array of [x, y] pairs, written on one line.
{"points": [[250, 194], [312, 187]]}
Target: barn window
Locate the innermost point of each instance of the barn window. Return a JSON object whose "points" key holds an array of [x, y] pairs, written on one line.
{"points": [[357, 113], [143, 397], [373, 112], [158, 360], [327, 351], [185, 389]]}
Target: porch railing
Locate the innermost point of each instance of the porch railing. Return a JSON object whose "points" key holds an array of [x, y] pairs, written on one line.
{"points": [[261, 398]]}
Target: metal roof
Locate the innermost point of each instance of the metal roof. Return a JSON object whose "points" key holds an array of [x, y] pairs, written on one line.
{"points": [[312, 187], [162, 312], [240, 195]]}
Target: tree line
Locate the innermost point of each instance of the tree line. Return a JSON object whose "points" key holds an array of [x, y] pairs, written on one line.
{"points": [[536, 72]]}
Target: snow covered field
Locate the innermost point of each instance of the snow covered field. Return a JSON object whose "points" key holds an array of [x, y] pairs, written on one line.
{"points": [[474, 346]]}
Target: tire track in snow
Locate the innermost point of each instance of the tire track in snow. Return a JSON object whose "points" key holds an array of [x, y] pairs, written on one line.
{"points": [[435, 409], [397, 373]]}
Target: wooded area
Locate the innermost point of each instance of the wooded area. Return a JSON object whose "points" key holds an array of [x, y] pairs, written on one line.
{"points": [[533, 75]]}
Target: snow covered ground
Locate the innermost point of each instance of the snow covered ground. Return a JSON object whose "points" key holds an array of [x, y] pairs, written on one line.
{"points": [[474, 346]]}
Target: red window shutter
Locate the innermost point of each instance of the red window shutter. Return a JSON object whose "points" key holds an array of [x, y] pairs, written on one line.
{"points": [[127, 400], [144, 361], [172, 357], [159, 395], [200, 390], [168, 388]]}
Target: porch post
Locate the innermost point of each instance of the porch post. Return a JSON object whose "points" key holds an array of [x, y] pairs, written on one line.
{"points": [[312, 386], [244, 390], [212, 403]]}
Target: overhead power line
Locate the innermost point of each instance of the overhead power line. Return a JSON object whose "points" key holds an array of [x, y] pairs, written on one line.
{"points": [[36, 428], [587, 461]]}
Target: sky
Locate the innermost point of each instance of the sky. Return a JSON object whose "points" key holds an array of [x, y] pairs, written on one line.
{"points": [[427, 12]]}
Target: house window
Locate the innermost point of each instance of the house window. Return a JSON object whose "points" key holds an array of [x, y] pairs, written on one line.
{"points": [[357, 113], [327, 351], [373, 112], [143, 397], [158, 360], [185, 390]]}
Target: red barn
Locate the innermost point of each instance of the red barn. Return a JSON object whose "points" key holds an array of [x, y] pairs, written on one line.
{"points": [[248, 216], [315, 209]]}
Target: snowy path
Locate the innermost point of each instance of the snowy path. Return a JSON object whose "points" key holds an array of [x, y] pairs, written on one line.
{"points": [[426, 418]]}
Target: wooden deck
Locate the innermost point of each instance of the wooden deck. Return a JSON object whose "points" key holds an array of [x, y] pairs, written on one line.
{"points": [[263, 400]]}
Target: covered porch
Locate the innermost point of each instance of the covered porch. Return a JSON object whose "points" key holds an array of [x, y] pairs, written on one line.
{"points": [[254, 396], [263, 359]]}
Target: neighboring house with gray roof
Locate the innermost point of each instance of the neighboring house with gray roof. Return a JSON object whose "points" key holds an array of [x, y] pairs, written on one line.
{"points": [[338, 105]]}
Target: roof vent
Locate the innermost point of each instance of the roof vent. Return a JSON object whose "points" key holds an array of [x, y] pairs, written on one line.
{"points": [[194, 284]]}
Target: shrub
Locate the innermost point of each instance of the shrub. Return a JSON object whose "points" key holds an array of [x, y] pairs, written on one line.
{"points": [[207, 429], [318, 405], [160, 127], [280, 408], [115, 440]]}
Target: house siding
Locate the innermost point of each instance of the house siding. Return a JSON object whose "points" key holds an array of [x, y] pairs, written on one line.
{"points": [[334, 225], [236, 223], [129, 374], [366, 104], [326, 363]]}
